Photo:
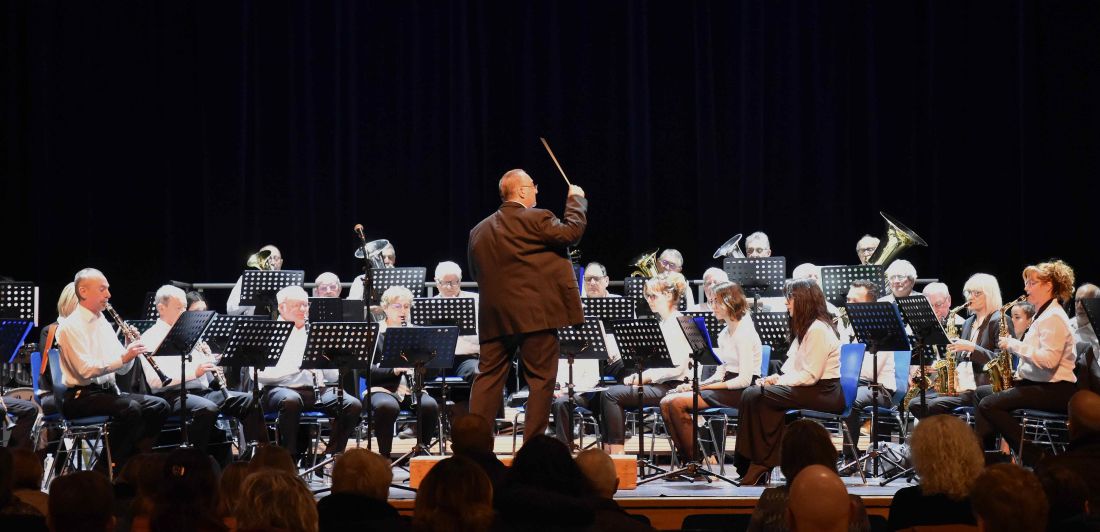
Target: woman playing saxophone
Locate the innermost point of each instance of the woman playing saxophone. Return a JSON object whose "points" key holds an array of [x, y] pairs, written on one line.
{"points": [[1044, 378]]}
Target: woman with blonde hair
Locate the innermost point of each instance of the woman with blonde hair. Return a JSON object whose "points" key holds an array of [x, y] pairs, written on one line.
{"points": [[275, 500], [663, 294], [948, 460], [1044, 379]]}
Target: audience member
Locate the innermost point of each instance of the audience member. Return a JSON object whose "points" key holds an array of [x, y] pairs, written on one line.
{"points": [[272, 456], [135, 497], [360, 489], [948, 458], [819, 501], [27, 482], [472, 437], [1068, 496], [455, 496], [599, 469], [229, 487], [274, 499], [1007, 498], [188, 496], [544, 488], [14, 513], [81, 502], [1082, 455]]}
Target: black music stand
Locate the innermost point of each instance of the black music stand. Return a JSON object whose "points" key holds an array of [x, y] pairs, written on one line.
{"points": [[258, 287], [774, 329], [608, 308], [12, 334], [713, 324], [455, 311], [219, 331], [759, 277], [879, 326], [586, 342], [139, 325], [340, 346], [19, 300], [149, 309], [409, 277], [837, 280], [643, 346], [334, 309], [1092, 310], [181, 339], [418, 348], [256, 344]]}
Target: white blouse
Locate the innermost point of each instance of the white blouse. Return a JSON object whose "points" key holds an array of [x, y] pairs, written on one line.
{"points": [[741, 352], [1047, 352], [814, 358]]}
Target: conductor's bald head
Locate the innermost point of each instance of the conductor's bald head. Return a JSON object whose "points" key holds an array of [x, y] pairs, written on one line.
{"points": [[1084, 414], [517, 186], [818, 501]]}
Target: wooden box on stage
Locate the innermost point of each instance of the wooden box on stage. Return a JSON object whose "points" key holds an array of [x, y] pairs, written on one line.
{"points": [[626, 465]]}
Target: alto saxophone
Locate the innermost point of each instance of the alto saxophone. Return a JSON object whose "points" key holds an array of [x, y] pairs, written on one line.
{"points": [[132, 335], [945, 381], [1000, 367]]}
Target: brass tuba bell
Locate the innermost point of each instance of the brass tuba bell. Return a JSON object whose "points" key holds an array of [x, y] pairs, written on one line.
{"points": [[898, 238], [645, 264], [732, 248], [374, 252], [258, 260]]}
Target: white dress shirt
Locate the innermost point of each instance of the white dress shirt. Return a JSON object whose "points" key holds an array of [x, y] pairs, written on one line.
{"points": [[233, 304], [356, 289], [1047, 352], [288, 371], [866, 372], [90, 350], [152, 338], [741, 352], [468, 343], [678, 349], [586, 374], [815, 357]]}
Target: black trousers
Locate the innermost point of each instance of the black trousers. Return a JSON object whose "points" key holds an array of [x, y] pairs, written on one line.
{"points": [[615, 398], [289, 403], [763, 412], [995, 410], [563, 428], [203, 407], [387, 408], [941, 404], [25, 414], [539, 351], [134, 418]]}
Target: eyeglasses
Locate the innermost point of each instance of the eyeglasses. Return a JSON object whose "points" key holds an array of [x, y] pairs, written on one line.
{"points": [[1033, 282], [898, 278], [448, 284], [399, 306], [594, 278], [532, 185], [866, 251], [974, 293], [669, 264], [758, 251]]}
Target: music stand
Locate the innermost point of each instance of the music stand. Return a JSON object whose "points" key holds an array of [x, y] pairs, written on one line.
{"points": [[608, 308], [1092, 310], [879, 326], [258, 287], [220, 330], [586, 342], [418, 348], [643, 346], [409, 277], [759, 277], [774, 329], [19, 300], [334, 309], [12, 335], [150, 311], [714, 325], [340, 346], [455, 311], [836, 280], [181, 339], [256, 344]]}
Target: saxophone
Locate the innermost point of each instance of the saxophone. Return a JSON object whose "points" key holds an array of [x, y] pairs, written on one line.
{"points": [[947, 378], [1000, 367], [132, 335]]}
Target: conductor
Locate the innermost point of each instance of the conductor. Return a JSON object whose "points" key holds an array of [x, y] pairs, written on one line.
{"points": [[528, 289]]}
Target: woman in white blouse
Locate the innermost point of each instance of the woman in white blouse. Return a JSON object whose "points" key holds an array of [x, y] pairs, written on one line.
{"points": [[1044, 379], [810, 380], [739, 349], [662, 293]]}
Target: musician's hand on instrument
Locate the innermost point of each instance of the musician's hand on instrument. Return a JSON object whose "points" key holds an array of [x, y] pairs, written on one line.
{"points": [[685, 387], [629, 380], [769, 380], [203, 368], [965, 346], [399, 371], [133, 351], [574, 190]]}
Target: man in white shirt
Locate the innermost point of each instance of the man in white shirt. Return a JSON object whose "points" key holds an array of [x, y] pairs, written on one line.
{"points": [[389, 260], [865, 292], [203, 402], [233, 304], [711, 278], [90, 356], [327, 285], [596, 281], [448, 279], [288, 389], [940, 298], [671, 260], [758, 245]]}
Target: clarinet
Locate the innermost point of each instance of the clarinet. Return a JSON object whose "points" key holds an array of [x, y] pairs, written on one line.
{"points": [[219, 376], [132, 335]]}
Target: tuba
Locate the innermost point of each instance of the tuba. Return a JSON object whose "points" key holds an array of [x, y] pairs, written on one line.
{"points": [[374, 252], [1000, 367], [897, 239], [732, 248], [645, 265], [258, 260]]}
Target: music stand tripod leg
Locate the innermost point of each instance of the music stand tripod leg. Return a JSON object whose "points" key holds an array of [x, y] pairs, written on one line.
{"points": [[417, 449]]}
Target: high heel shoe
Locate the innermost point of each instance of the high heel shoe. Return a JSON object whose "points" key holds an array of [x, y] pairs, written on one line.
{"points": [[757, 475]]}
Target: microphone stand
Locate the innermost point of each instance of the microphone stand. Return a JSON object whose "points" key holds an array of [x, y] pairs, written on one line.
{"points": [[368, 274]]}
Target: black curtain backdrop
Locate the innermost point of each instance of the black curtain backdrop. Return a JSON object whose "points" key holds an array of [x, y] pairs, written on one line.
{"points": [[169, 140]]}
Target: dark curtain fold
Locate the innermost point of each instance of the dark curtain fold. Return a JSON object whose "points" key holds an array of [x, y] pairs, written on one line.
{"points": [[168, 140]]}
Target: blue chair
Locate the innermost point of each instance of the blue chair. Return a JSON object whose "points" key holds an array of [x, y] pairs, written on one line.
{"points": [[893, 414], [851, 361], [724, 418], [80, 436]]}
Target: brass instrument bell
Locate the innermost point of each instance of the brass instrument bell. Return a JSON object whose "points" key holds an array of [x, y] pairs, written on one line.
{"points": [[645, 264], [898, 238], [259, 260], [732, 248]]}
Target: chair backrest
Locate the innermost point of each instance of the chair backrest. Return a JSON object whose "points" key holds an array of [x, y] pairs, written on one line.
{"points": [[901, 374], [36, 368], [765, 359], [851, 362], [59, 387]]}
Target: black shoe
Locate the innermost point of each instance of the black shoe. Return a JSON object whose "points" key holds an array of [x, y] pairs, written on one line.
{"points": [[757, 475]]}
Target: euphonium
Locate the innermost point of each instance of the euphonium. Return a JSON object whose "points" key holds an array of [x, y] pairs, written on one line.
{"points": [[898, 238], [645, 264], [1000, 367], [259, 260]]}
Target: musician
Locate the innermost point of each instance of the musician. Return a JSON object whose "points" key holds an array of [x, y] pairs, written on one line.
{"points": [[448, 279], [203, 403], [863, 291], [739, 349], [596, 281], [810, 380], [1044, 379], [901, 275], [1082, 329], [196, 301], [233, 305], [758, 245], [90, 356], [671, 260], [389, 260], [865, 248], [528, 289], [1023, 313], [662, 293], [939, 297], [327, 285], [391, 387], [973, 349], [288, 389], [66, 304], [711, 278]]}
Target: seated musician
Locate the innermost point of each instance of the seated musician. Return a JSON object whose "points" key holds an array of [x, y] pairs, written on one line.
{"points": [[758, 245], [1082, 329], [596, 281], [66, 304], [391, 388], [91, 354], [939, 297], [206, 395], [865, 248], [389, 260], [1023, 313], [233, 304], [448, 279], [862, 291], [662, 293], [973, 349], [327, 285], [711, 278], [196, 301], [288, 389], [671, 260], [810, 380], [901, 276], [739, 348], [1044, 379]]}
